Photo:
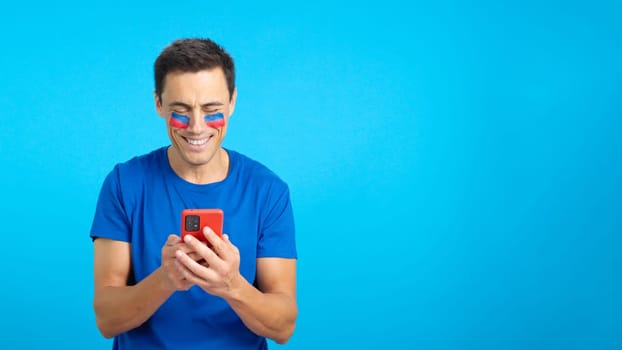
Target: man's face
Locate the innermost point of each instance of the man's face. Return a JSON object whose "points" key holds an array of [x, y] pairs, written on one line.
{"points": [[195, 95]]}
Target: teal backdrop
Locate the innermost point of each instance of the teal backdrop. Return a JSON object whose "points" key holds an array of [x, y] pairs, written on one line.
{"points": [[455, 167]]}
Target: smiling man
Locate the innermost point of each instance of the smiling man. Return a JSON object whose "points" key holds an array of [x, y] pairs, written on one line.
{"points": [[155, 291]]}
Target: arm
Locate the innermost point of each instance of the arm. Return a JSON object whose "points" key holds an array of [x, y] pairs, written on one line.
{"points": [[270, 310], [119, 307]]}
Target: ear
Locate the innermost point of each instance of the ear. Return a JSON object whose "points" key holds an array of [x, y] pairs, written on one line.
{"points": [[232, 101], [158, 104]]}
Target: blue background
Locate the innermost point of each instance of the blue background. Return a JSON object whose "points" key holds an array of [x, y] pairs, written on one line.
{"points": [[455, 167]]}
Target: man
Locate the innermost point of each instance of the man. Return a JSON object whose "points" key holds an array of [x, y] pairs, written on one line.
{"points": [[155, 291]]}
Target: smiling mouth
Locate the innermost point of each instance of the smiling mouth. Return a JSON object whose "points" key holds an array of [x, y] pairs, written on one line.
{"points": [[197, 142]]}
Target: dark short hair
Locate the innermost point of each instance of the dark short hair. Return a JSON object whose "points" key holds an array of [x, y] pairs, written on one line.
{"points": [[193, 55]]}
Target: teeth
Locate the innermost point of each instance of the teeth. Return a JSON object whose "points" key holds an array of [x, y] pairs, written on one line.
{"points": [[197, 142]]}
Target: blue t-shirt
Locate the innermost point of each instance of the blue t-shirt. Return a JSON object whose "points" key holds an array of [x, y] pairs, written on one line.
{"points": [[141, 203]]}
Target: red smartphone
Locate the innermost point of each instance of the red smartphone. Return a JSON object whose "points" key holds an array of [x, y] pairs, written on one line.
{"points": [[194, 220]]}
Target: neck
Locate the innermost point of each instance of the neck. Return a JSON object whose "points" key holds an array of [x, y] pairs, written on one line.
{"points": [[215, 170]]}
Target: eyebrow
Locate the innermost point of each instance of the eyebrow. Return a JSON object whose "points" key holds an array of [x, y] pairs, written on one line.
{"points": [[187, 106]]}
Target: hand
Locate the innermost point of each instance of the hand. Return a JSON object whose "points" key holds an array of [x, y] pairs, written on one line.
{"points": [[173, 272], [220, 274]]}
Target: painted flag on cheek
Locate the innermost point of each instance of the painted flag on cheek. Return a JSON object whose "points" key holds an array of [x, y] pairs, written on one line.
{"points": [[215, 120], [179, 121]]}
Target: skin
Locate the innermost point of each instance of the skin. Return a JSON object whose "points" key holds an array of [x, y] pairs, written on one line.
{"points": [[267, 308]]}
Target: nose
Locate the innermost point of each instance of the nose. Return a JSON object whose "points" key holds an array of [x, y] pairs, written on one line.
{"points": [[196, 123]]}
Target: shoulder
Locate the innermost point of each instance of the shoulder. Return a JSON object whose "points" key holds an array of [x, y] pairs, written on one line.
{"points": [[129, 176], [251, 170], [141, 163]]}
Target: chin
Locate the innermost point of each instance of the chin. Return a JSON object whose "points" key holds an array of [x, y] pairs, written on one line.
{"points": [[199, 159]]}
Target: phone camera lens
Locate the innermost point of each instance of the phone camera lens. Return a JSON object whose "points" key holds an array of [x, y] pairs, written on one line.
{"points": [[192, 223]]}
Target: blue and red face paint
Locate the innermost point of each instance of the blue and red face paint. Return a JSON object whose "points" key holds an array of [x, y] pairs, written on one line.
{"points": [[179, 121], [215, 120], [182, 122]]}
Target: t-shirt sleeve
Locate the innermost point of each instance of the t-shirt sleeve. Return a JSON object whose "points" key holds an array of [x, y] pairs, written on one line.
{"points": [[111, 220], [277, 233]]}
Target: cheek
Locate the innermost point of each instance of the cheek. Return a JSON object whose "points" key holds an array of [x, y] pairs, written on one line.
{"points": [[223, 128], [223, 131], [178, 121], [171, 134], [176, 125], [216, 125], [215, 120]]}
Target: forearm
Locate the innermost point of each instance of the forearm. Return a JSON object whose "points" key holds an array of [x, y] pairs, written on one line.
{"points": [[271, 315], [120, 309]]}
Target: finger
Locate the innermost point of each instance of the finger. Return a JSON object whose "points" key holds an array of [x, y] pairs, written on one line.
{"points": [[181, 282], [218, 245], [193, 270], [195, 245], [186, 248], [198, 258], [167, 252], [194, 255], [189, 278], [200, 251], [225, 238], [193, 280], [172, 240], [173, 243], [231, 251], [206, 252]]}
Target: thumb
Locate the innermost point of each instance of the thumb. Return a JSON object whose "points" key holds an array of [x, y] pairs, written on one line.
{"points": [[172, 239]]}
